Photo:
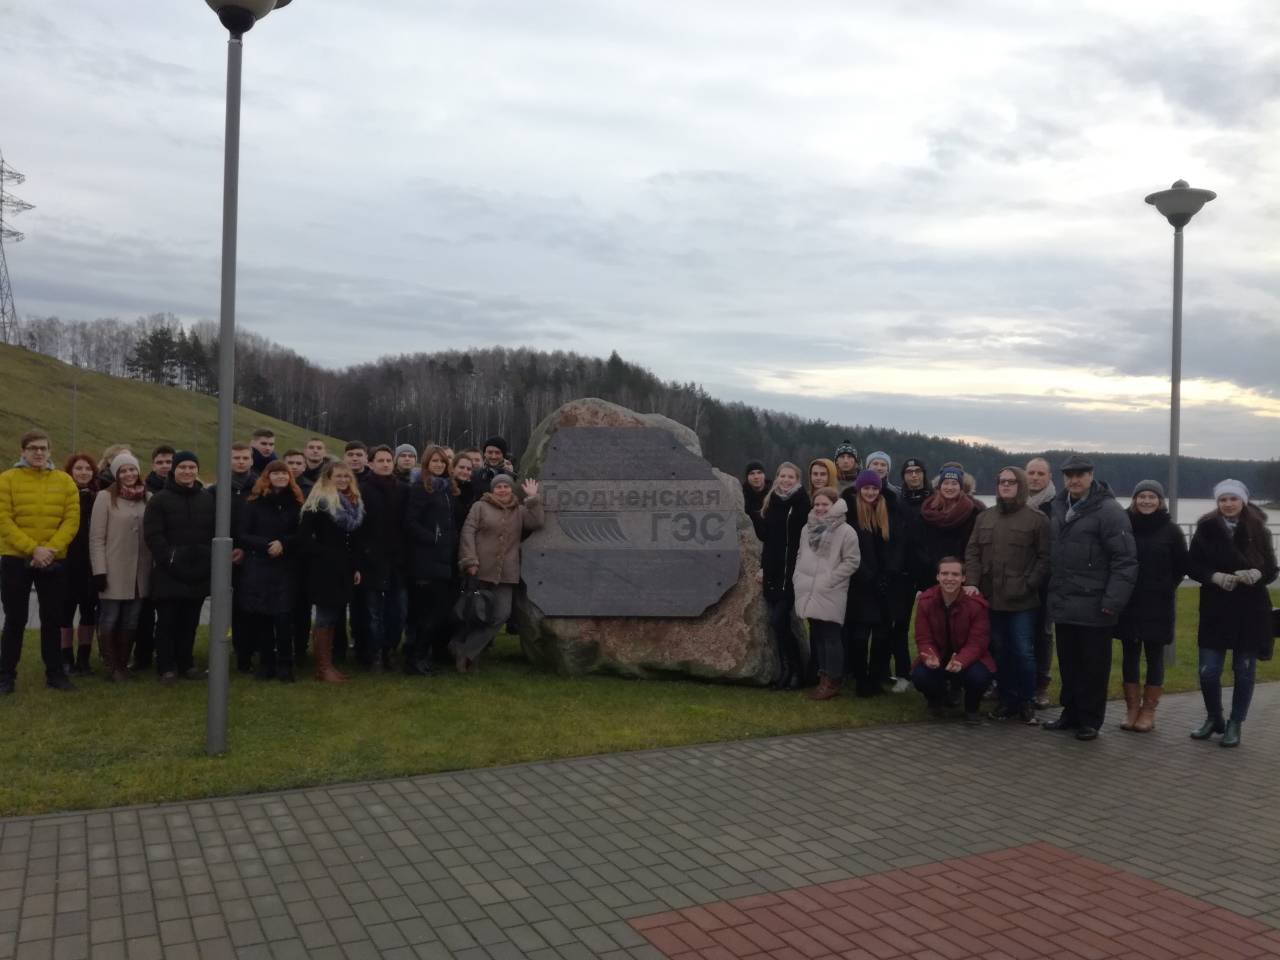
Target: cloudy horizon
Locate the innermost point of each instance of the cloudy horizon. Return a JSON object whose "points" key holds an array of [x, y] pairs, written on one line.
{"points": [[928, 217]]}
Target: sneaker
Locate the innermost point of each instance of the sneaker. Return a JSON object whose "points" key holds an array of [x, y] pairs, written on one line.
{"points": [[1041, 702], [169, 679], [992, 692], [901, 685], [194, 673], [59, 682], [973, 718], [1028, 715]]}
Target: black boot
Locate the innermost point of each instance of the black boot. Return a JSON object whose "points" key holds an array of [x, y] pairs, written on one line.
{"points": [[82, 667], [1207, 729], [68, 660], [284, 671]]}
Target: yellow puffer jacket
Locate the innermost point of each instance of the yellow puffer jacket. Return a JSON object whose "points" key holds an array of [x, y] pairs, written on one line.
{"points": [[38, 508]]}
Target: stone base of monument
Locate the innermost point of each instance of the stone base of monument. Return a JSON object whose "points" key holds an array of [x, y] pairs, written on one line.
{"points": [[612, 544]]}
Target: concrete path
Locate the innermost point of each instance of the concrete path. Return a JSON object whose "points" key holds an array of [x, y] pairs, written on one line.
{"points": [[920, 841]]}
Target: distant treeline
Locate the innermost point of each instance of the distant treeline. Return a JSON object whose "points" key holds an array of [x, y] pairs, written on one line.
{"points": [[462, 397]]}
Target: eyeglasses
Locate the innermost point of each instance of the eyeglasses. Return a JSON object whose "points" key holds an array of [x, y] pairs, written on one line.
{"points": [[1002, 482], [36, 448]]}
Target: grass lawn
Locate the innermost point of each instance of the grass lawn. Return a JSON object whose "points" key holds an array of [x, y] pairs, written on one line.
{"points": [[142, 743]]}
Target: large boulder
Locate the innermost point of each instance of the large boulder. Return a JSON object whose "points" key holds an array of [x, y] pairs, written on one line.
{"points": [[644, 525]]}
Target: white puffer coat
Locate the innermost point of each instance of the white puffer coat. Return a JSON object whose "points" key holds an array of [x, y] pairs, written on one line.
{"points": [[822, 576]]}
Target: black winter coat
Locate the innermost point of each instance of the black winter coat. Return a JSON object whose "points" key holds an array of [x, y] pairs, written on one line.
{"points": [[938, 542], [1093, 560], [77, 562], [433, 537], [779, 531], [462, 503], [332, 555], [1238, 619], [882, 580], [178, 528], [751, 501], [267, 584], [1162, 565], [385, 499]]}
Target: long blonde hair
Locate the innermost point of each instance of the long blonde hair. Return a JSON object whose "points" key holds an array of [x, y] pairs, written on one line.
{"points": [[325, 496], [768, 497], [874, 517]]}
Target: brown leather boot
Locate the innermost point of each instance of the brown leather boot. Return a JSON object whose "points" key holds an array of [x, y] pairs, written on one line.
{"points": [[1132, 703], [322, 644], [1146, 721], [827, 688]]}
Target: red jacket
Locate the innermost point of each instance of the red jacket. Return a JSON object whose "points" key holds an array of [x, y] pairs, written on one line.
{"points": [[969, 635]]}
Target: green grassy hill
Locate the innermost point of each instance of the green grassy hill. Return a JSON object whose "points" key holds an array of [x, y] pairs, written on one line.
{"points": [[90, 411]]}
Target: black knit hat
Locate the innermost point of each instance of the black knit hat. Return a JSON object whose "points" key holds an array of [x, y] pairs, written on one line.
{"points": [[182, 456], [912, 462], [847, 447], [496, 442], [754, 465]]}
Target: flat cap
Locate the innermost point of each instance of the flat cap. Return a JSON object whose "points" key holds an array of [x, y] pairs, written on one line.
{"points": [[1076, 462]]}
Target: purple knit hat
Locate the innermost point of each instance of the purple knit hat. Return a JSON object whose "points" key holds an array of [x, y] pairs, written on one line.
{"points": [[869, 478]]}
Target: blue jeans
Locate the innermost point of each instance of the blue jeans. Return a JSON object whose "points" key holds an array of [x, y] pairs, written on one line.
{"points": [[1243, 666], [933, 684], [1013, 641]]}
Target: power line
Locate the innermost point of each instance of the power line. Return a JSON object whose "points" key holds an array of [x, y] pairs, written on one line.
{"points": [[9, 205]]}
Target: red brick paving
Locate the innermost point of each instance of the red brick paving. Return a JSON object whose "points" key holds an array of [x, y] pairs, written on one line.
{"points": [[1035, 902]]}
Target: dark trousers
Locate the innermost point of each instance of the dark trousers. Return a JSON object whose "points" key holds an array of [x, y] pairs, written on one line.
{"points": [[385, 609], [432, 608], [1131, 662], [359, 616], [274, 635], [933, 682], [1084, 660], [79, 595], [866, 654], [17, 578], [301, 619], [144, 641], [244, 634], [1044, 650], [899, 646], [1013, 642], [784, 639], [176, 622], [1243, 667], [827, 643]]}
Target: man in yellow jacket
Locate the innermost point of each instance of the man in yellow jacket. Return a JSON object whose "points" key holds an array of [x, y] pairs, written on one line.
{"points": [[39, 517]]}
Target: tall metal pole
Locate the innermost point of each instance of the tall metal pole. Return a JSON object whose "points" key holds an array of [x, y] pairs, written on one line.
{"points": [[1175, 389], [220, 587]]}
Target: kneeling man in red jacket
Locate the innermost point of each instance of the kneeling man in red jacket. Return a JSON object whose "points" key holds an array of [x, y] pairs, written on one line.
{"points": [[953, 633]]}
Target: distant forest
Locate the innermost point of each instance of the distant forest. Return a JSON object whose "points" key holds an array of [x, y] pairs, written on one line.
{"points": [[462, 397]]}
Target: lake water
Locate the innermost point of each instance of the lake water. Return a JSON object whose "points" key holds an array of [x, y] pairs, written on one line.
{"points": [[1189, 511]]}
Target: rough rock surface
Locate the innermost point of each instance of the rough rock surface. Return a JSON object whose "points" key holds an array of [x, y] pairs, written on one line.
{"points": [[730, 641]]}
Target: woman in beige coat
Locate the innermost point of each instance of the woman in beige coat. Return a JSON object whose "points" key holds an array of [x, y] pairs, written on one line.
{"points": [[120, 561], [490, 552], [828, 557]]}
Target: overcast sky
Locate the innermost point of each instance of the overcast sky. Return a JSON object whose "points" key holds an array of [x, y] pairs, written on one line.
{"points": [[925, 215]]}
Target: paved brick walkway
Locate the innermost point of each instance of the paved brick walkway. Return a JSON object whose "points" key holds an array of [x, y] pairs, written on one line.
{"points": [[1082, 849]]}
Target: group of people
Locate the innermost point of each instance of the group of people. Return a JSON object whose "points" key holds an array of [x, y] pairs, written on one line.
{"points": [[854, 554], [379, 543], [382, 542]]}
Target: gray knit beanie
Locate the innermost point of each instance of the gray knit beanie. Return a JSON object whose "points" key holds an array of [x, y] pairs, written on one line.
{"points": [[1149, 486], [407, 448], [123, 459]]}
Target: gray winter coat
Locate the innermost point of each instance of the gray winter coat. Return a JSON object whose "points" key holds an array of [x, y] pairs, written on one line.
{"points": [[1094, 559], [821, 577]]}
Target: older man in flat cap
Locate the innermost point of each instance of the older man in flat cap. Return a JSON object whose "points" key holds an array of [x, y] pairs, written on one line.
{"points": [[1094, 568]]}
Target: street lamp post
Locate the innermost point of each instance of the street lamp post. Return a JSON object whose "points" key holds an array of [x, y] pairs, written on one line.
{"points": [[238, 16], [395, 437], [1178, 205]]}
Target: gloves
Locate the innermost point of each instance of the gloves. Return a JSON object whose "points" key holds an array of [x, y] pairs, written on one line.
{"points": [[1227, 581], [1249, 577], [99, 582]]}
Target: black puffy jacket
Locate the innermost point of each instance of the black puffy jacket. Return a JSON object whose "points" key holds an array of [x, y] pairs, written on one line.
{"points": [[178, 528], [1238, 619], [1093, 559]]}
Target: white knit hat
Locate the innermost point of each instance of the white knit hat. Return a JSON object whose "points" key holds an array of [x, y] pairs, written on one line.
{"points": [[1231, 488], [123, 459]]}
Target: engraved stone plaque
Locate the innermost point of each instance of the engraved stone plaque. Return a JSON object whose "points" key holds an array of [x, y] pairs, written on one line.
{"points": [[636, 526]]}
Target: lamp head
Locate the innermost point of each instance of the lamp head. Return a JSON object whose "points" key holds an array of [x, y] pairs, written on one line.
{"points": [[239, 16], [1180, 202]]}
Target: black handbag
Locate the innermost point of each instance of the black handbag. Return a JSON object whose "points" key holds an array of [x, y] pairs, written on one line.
{"points": [[1268, 648], [476, 605]]}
